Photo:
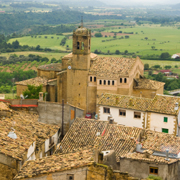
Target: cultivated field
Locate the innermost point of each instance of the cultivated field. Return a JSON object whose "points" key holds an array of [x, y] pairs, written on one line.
{"points": [[162, 39]]}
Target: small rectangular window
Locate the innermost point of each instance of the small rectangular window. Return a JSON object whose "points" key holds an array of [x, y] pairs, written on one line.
{"points": [[122, 112], [90, 78], [165, 130], [113, 83], [153, 170], [106, 110], [94, 79], [137, 115], [70, 176], [104, 82], [108, 82], [165, 119]]}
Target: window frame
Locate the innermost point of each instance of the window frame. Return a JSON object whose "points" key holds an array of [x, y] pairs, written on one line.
{"points": [[136, 114], [153, 168], [166, 119], [106, 110], [123, 112], [70, 175], [164, 129]]}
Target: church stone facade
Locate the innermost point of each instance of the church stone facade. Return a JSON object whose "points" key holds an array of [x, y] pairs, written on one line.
{"points": [[84, 77]]}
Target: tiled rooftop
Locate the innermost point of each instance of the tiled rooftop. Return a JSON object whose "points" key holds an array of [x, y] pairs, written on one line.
{"points": [[55, 163], [164, 104], [51, 67], [121, 139], [83, 133], [37, 81], [112, 67], [155, 159], [158, 141], [127, 102], [4, 107], [143, 83], [160, 104], [27, 129]]}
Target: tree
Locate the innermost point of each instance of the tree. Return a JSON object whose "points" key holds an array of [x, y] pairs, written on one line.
{"points": [[165, 55], [167, 67], [98, 34], [126, 37], [15, 44], [117, 52], [146, 66], [32, 92], [146, 38], [126, 51], [153, 47]]}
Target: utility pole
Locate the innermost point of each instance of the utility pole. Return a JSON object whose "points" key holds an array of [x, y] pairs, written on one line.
{"points": [[62, 128], [13, 87]]}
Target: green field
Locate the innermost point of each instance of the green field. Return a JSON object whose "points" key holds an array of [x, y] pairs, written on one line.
{"points": [[165, 39]]}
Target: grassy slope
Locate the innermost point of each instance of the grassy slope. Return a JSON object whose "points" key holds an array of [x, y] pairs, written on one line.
{"points": [[133, 44]]}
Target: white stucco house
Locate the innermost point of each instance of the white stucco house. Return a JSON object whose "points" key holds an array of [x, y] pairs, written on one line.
{"points": [[158, 114]]}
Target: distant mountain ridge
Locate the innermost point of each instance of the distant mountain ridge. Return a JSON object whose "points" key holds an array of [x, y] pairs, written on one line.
{"points": [[79, 2]]}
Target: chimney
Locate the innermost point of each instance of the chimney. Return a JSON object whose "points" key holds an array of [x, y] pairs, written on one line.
{"points": [[140, 94], [138, 147], [167, 155], [117, 100], [111, 121], [176, 106], [109, 117], [40, 96]]}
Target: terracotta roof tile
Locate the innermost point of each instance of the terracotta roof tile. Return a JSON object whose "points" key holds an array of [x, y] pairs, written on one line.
{"points": [[143, 83], [55, 163], [4, 107], [37, 81], [112, 67], [155, 159], [27, 129], [51, 67], [164, 104], [158, 141], [160, 104], [83, 133], [127, 102]]}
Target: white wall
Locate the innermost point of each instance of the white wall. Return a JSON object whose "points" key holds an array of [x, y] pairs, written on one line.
{"points": [[55, 137], [127, 120], [157, 122], [31, 150]]}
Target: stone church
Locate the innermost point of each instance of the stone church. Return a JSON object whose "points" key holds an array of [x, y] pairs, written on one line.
{"points": [[83, 77]]}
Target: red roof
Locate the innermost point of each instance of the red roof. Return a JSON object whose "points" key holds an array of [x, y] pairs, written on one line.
{"points": [[166, 70]]}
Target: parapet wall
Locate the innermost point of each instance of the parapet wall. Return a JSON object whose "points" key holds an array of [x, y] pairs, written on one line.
{"points": [[51, 113]]}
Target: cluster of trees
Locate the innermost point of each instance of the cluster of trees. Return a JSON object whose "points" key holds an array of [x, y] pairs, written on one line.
{"points": [[6, 80], [19, 21], [117, 52], [162, 56], [63, 41], [13, 59]]}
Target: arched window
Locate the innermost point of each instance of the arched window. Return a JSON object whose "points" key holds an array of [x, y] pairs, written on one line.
{"points": [[100, 82], [82, 45], [125, 80], [77, 45], [108, 82], [120, 80], [113, 83], [104, 82], [90, 78], [94, 79]]}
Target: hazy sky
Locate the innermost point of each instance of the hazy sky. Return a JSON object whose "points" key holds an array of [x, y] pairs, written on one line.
{"points": [[121, 2]]}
